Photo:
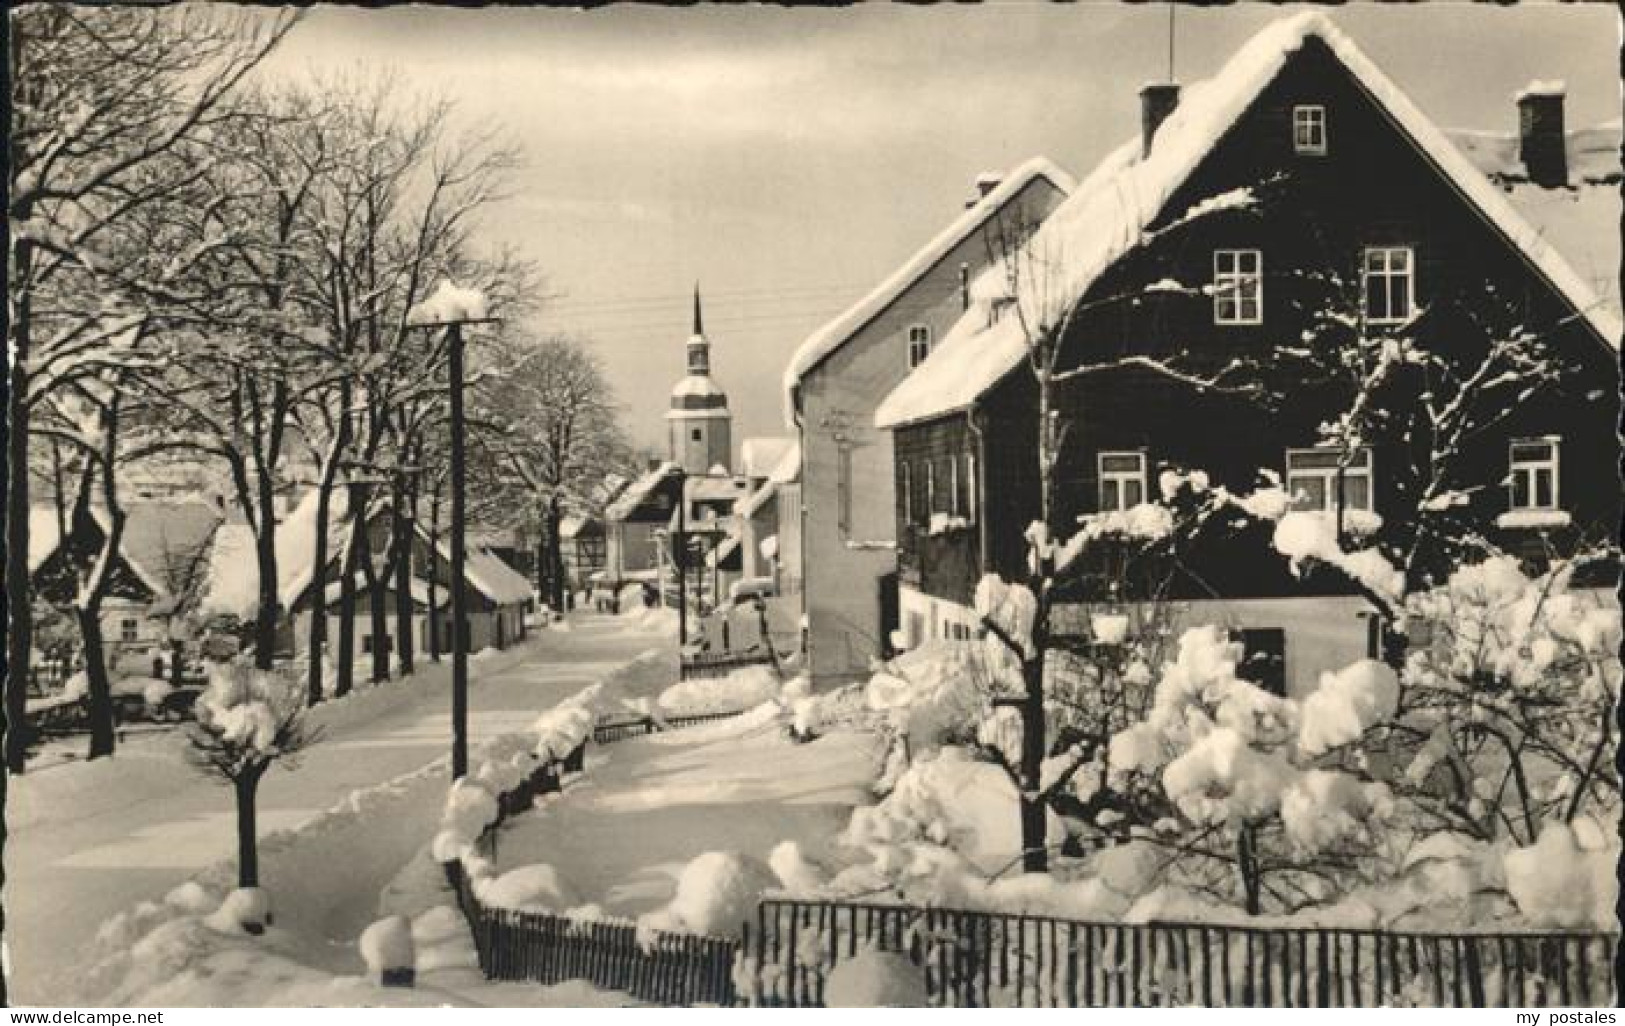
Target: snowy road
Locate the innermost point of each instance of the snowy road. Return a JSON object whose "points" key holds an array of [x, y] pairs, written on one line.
{"points": [[89, 840]]}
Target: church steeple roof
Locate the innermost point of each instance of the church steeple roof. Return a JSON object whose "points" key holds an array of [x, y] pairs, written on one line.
{"points": [[698, 391], [699, 323]]}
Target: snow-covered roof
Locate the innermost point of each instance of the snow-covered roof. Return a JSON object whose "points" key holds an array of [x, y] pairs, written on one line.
{"points": [[758, 456], [697, 386], [713, 489], [488, 572], [232, 585], [159, 539], [834, 334], [570, 526], [788, 469], [1106, 216], [633, 495], [418, 587], [1580, 220]]}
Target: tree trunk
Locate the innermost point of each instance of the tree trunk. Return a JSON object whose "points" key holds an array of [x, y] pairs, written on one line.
{"points": [[555, 556], [344, 667], [1034, 856], [19, 621], [248, 853], [268, 611], [377, 608], [316, 640], [100, 688], [401, 530]]}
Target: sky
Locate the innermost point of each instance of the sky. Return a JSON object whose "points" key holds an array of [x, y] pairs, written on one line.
{"points": [[787, 159]]}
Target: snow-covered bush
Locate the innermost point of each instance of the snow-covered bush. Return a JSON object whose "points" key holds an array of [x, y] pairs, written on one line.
{"points": [[536, 887], [247, 720], [1248, 782], [1513, 688], [716, 893]]}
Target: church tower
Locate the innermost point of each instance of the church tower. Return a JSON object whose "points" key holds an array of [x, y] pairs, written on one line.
{"points": [[699, 428]]}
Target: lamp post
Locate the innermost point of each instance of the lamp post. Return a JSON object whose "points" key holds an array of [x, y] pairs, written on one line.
{"points": [[679, 555], [459, 548]]}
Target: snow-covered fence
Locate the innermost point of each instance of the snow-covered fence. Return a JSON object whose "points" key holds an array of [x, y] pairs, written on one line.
{"points": [[608, 733], [980, 959], [674, 969], [703, 665]]}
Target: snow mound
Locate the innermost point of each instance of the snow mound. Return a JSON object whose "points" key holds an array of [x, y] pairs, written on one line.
{"points": [[245, 910], [742, 689], [1556, 882], [535, 887], [875, 979], [797, 874], [388, 945], [716, 892]]}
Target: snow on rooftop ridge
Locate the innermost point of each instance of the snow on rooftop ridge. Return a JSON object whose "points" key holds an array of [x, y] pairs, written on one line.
{"points": [[833, 334], [1106, 215], [695, 385], [637, 491], [1541, 87]]}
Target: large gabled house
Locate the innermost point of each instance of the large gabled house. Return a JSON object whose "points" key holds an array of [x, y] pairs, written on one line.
{"points": [[1215, 236], [834, 382], [156, 570]]}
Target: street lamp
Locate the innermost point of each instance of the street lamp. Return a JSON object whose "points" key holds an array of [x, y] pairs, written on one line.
{"points": [[452, 308]]}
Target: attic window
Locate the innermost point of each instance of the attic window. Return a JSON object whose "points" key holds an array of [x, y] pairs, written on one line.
{"points": [[919, 344], [1533, 477], [1309, 130], [1390, 284]]}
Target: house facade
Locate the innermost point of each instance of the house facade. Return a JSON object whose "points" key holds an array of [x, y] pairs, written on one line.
{"points": [[1297, 193], [834, 383]]}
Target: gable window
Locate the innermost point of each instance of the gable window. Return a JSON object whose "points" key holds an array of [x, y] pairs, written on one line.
{"points": [[1389, 273], [127, 630], [1311, 479], [1533, 480], [919, 344], [1122, 480], [1238, 286], [1309, 129]]}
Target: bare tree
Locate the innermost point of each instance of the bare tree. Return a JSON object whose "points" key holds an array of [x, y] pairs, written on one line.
{"points": [[101, 96], [556, 436]]}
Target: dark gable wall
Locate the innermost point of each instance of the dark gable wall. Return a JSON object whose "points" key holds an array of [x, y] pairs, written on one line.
{"points": [[1371, 188]]}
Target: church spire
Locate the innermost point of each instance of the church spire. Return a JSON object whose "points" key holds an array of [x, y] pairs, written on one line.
{"points": [[699, 325]]}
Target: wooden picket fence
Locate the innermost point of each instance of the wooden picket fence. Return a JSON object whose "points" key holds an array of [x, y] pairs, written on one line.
{"points": [[979, 959], [670, 969], [706, 665], [608, 733]]}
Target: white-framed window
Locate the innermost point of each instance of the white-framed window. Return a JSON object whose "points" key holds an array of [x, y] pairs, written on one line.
{"points": [[1533, 481], [1238, 286], [1122, 479], [1389, 275], [919, 344], [127, 630], [1312, 475], [1309, 129]]}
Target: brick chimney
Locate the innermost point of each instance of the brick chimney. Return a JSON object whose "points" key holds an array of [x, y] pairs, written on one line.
{"points": [[1540, 134], [1157, 101]]}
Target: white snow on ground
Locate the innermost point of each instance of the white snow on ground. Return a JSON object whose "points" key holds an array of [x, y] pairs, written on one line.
{"points": [[742, 689], [648, 807], [109, 832]]}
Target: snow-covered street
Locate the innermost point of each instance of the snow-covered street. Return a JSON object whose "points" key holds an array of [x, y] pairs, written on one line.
{"points": [[90, 840]]}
